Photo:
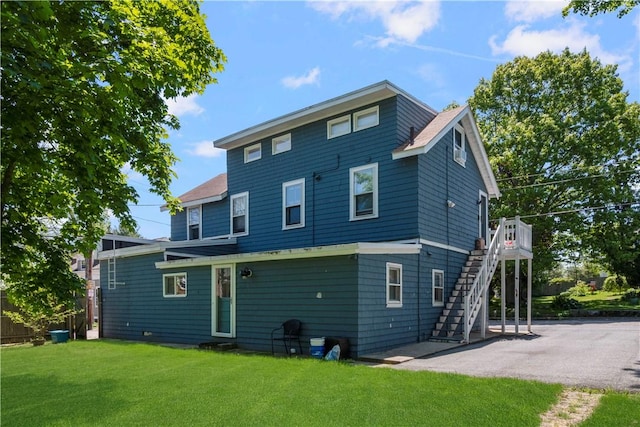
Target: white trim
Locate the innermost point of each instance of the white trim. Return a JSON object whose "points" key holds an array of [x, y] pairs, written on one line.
{"points": [[164, 289], [147, 249], [214, 307], [435, 303], [444, 246], [487, 232], [180, 254], [197, 202], [280, 139], [244, 195], [332, 107], [352, 195], [199, 207], [250, 149], [366, 112], [393, 303], [285, 185], [473, 141], [339, 120], [363, 248]]}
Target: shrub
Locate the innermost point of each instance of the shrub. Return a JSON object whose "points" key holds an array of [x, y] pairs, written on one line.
{"points": [[615, 283], [631, 295], [564, 302], [579, 290]]}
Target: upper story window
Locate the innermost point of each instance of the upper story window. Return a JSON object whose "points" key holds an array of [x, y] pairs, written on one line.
{"points": [[363, 195], [459, 145], [253, 153], [366, 118], [338, 127], [394, 285], [174, 285], [193, 223], [437, 281], [293, 204], [281, 144], [240, 214]]}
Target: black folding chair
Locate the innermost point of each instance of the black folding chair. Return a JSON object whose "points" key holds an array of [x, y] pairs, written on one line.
{"points": [[290, 332]]}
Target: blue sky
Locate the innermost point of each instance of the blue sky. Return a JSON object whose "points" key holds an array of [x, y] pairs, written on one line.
{"points": [[283, 56]]}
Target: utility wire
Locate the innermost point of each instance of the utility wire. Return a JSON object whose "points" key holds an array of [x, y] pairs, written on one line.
{"points": [[561, 181], [574, 168]]}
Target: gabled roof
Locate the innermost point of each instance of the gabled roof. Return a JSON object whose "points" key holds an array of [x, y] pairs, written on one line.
{"points": [[438, 127], [212, 190], [368, 95]]}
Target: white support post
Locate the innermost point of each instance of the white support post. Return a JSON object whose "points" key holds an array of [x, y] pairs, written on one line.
{"points": [[503, 297], [517, 294], [529, 295], [483, 322]]}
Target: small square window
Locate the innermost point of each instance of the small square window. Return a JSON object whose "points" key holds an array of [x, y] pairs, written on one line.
{"points": [[338, 127], [394, 285], [281, 144], [366, 119], [175, 285], [253, 153], [437, 277]]}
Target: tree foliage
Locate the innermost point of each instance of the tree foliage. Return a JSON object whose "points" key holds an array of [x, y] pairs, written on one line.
{"points": [[565, 145], [594, 7], [83, 88]]}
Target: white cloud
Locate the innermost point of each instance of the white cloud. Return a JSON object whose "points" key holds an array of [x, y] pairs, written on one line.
{"points": [[533, 10], [403, 21], [184, 105], [204, 149], [311, 77], [523, 40]]}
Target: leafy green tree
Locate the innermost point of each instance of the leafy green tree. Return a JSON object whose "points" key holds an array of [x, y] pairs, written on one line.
{"points": [[83, 88], [564, 143], [594, 7]]}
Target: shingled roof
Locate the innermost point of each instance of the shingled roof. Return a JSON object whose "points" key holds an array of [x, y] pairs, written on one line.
{"points": [[212, 190]]}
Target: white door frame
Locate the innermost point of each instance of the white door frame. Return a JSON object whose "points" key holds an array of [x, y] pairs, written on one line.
{"points": [[214, 301]]}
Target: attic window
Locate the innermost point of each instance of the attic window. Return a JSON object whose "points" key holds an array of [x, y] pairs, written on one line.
{"points": [[338, 127], [253, 153], [281, 144], [459, 145], [366, 119]]}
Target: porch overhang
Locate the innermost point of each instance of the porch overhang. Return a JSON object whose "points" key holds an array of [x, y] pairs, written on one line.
{"points": [[297, 253]]}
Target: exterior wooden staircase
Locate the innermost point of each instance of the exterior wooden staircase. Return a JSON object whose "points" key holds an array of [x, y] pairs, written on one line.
{"points": [[450, 326]]}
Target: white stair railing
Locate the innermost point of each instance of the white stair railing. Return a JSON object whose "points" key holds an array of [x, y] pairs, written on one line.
{"points": [[474, 299]]}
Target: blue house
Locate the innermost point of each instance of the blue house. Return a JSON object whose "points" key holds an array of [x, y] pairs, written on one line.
{"points": [[359, 216]]}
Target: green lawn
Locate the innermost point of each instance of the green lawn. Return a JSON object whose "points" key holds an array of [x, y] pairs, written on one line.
{"points": [[114, 383]]}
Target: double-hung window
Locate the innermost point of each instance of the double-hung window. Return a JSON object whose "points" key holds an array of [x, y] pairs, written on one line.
{"points": [[240, 214], [459, 145], [437, 280], [193, 223], [293, 204], [394, 285], [363, 182], [174, 285]]}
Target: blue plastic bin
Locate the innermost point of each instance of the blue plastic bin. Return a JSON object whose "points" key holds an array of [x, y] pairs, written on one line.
{"points": [[59, 336]]}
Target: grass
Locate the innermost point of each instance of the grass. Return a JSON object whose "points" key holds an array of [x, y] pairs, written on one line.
{"points": [[116, 383], [616, 410], [599, 300]]}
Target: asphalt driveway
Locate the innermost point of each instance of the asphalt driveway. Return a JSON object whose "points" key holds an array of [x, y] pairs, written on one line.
{"points": [[596, 353]]}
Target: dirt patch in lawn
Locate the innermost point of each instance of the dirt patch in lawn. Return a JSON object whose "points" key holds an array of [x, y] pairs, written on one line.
{"points": [[572, 408]]}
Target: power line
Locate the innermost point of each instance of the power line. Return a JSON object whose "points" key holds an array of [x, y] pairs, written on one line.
{"points": [[562, 181], [573, 168], [591, 208]]}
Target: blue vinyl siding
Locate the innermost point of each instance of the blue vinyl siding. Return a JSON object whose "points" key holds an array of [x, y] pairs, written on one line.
{"points": [[214, 221], [282, 290], [138, 305], [441, 179]]}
